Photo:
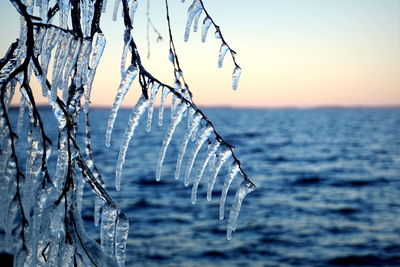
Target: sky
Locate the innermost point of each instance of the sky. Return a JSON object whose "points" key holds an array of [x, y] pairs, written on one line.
{"points": [[293, 53]]}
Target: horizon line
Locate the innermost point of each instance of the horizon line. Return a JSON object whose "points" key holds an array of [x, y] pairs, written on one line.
{"points": [[41, 105]]}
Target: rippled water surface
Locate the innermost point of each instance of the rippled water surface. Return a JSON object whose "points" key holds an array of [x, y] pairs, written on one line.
{"points": [[328, 190]]}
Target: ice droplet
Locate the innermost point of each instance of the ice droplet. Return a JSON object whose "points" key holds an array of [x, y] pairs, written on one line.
{"points": [[237, 71]]}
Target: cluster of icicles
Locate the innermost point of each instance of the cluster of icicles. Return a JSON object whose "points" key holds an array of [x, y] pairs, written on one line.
{"points": [[54, 233], [195, 10], [198, 130]]}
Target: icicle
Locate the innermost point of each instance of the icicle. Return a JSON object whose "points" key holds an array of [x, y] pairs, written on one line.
{"points": [[98, 204], [233, 170], [174, 103], [164, 95], [51, 40], [39, 41], [11, 214], [98, 50], [192, 10], [127, 41], [33, 164], [123, 88], [80, 186], [210, 151], [121, 237], [81, 65], [20, 124], [97, 53], [193, 124], [107, 229], [205, 133], [44, 6], [195, 133], [154, 91], [137, 112], [71, 61], [222, 157], [133, 9], [196, 19], [104, 8], [244, 189], [61, 167], [84, 15], [178, 75], [171, 56], [115, 12], [206, 25], [235, 77], [190, 118], [64, 8], [222, 52], [217, 34], [177, 117], [212, 162], [59, 62], [89, 17]]}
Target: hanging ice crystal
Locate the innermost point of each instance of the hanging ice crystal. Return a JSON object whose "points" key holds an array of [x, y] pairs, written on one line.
{"points": [[121, 238], [167, 139], [133, 9], [217, 34], [127, 42], [64, 8], [62, 160], [154, 91], [104, 8], [59, 62], [174, 101], [123, 88], [210, 151], [137, 112], [192, 10], [80, 184], [20, 124], [81, 65], [69, 66], [205, 133], [206, 25], [222, 157], [192, 126], [98, 204], [212, 162], [196, 19], [44, 6], [164, 95], [233, 170], [190, 114], [51, 40], [107, 229], [89, 17], [115, 11], [235, 77], [39, 41], [245, 188], [171, 56], [96, 55], [222, 52]]}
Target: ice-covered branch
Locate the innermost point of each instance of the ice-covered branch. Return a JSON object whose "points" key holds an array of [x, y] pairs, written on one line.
{"points": [[37, 200]]}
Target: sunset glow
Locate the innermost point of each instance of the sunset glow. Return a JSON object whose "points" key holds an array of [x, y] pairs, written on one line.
{"points": [[293, 53]]}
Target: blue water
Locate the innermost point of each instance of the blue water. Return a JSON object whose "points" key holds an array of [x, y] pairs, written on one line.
{"points": [[328, 191]]}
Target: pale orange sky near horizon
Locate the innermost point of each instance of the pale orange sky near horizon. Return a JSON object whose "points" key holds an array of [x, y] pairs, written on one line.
{"points": [[293, 53]]}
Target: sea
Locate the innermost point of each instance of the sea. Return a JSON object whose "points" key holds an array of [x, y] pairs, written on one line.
{"points": [[328, 189]]}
